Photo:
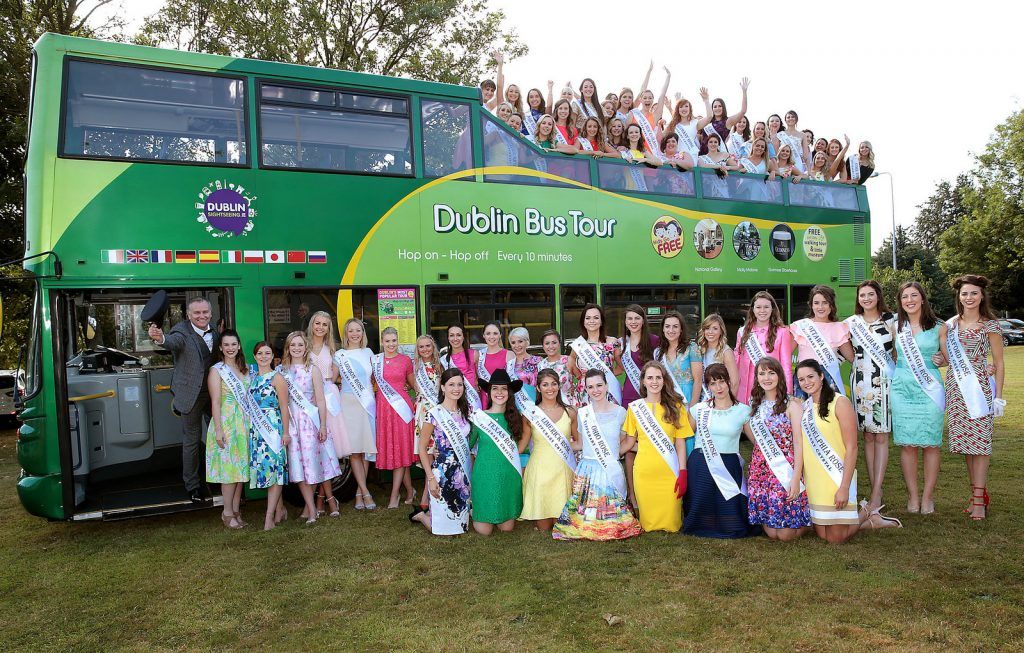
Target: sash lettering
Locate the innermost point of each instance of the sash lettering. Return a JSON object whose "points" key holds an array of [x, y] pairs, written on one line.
{"points": [[472, 395], [347, 368], [823, 451], [855, 167], [587, 359], [501, 438], [770, 449], [749, 166], [753, 348], [592, 432], [709, 130], [549, 431], [650, 138], [649, 424], [250, 408], [736, 144], [686, 141], [822, 351], [561, 138], [511, 147], [675, 382], [390, 393], [451, 428], [796, 146], [723, 479], [635, 173], [585, 144], [530, 122], [978, 405], [298, 398], [915, 361], [628, 364], [870, 343], [425, 387]]}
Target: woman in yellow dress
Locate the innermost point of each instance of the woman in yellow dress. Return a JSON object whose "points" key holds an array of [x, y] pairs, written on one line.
{"points": [[547, 479], [659, 481]]}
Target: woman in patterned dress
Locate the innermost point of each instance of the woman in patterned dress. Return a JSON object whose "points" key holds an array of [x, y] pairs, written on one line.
{"points": [[526, 365], [554, 359], [311, 458], [869, 383], [227, 438], [428, 368], [320, 333], [781, 511], [977, 329], [268, 468], [592, 328]]}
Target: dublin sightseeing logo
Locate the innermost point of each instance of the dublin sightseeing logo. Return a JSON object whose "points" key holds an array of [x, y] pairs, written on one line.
{"points": [[667, 237], [226, 209]]}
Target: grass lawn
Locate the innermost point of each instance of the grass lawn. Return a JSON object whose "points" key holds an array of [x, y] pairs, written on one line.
{"points": [[373, 582]]}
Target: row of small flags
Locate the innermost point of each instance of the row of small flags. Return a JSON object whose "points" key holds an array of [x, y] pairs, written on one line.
{"points": [[211, 256]]}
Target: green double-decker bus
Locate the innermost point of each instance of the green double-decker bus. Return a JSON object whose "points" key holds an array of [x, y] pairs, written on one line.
{"points": [[275, 191]]}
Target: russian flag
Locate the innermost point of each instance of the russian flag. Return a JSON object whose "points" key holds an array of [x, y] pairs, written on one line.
{"points": [[296, 257], [253, 256], [276, 256], [319, 256]]}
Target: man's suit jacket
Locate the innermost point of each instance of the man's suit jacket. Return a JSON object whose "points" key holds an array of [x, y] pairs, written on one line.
{"points": [[192, 361]]}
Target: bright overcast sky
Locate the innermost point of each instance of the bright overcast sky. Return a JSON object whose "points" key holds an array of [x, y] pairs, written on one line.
{"points": [[926, 83]]}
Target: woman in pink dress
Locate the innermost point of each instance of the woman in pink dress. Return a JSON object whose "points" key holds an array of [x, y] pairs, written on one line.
{"points": [[822, 318], [395, 424], [462, 356], [320, 333], [494, 358], [764, 322]]}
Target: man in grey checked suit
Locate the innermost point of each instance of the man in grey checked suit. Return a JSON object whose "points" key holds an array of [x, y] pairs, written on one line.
{"points": [[191, 342]]}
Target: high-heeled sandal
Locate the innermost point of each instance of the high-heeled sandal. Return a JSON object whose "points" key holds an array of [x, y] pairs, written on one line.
{"points": [[368, 502], [335, 506], [970, 502], [411, 499], [359, 502], [241, 522], [980, 501], [227, 519]]}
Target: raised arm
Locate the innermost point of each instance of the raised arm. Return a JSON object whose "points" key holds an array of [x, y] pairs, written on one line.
{"points": [[734, 118], [499, 93], [833, 169], [647, 79], [708, 113], [550, 98], [662, 100]]}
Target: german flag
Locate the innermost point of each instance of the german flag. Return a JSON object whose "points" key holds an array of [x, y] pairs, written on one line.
{"points": [[184, 256], [209, 256]]}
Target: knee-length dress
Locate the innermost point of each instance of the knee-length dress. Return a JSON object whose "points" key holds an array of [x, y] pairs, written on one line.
{"points": [[360, 424], [395, 436], [781, 350], [972, 437], [547, 480], [449, 515], [767, 500], [597, 508], [266, 467], [606, 352], [821, 489], [230, 463], [870, 384], [654, 483], [309, 460], [497, 488], [916, 418], [707, 512], [332, 397]]}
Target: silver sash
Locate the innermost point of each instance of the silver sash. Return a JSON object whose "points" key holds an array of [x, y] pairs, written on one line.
{"points": [[252, 411], [753, 348], [915, 361], [363, 392], [391, 394], [823, 451], [650, 137], [299, 399], [587, 359], [425, 387], [687, 142], [592, 432], [855, 167], [675, 382], [649, 424], [863, 335], [822, 350], [501, 438], [773, 454], [472, 394], [628, 364], [549, 431], [460, 445], [712, 458], [960, 367]]}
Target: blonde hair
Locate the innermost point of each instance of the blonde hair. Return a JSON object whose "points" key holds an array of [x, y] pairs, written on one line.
{"points": [[871, 153], [286, 355], [702, 340], [344, 333], [332, 346], [435, 357]]}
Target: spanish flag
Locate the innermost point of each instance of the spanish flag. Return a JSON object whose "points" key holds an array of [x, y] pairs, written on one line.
{"points": [[209, 256]]}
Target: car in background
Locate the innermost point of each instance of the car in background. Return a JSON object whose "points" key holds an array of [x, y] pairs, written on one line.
{"points": [[1013, 332], [11, 382]]}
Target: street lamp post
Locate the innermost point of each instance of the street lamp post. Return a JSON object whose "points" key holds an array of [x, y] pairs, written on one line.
{"points": [[892, 201]]}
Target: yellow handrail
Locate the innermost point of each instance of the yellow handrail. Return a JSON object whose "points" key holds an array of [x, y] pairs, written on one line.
{"points": [[161, 388], [98, 395]]}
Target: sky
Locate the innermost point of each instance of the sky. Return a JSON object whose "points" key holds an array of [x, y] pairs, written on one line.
{"points": [[926, 83]]}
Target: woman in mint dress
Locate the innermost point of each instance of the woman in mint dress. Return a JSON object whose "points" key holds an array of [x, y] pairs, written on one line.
{"points": [[268, 469]]}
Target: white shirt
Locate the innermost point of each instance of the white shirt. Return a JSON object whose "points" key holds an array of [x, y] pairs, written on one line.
{"points": [[207, 335]]}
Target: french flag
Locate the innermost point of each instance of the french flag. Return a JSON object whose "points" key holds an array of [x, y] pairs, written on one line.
{"points": [[160, 256]]}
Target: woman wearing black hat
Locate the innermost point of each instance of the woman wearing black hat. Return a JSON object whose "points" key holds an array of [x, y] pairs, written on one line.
{"points": [[497, 482]]}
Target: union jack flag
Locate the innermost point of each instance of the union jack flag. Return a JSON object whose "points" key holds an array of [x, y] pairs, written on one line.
{"points": [[137, 256]]}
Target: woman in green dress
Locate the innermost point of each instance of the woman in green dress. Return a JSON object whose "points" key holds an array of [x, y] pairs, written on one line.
{"points": [[496, 489], [227, 438]]}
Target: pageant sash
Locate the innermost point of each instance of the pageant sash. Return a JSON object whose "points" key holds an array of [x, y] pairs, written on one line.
{"points": [[472, 394], [501, 438], [250, 408], [530, 122], [855, 168], [592, 432], [628, 364], [723, 479], [748, 166], [545, 364], [460, 445], [915, 361], [709, 130], [736, 145], [650, 138], [585, 144], [869, 342], [392, 395], [823, 451], [549, 431], [425, 387], [822, 351], [960, 367], [687, 142], [481, 368], [346, 367], [587, 359], [675, 383], [753, 348], [773, 454], [511, 148], [649, 424], [635, 173], [301, 400], [796, 147], [560, 138]]}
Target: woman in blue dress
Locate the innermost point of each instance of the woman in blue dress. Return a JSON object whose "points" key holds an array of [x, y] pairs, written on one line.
{"points": [[269, 468], [679, 356]]}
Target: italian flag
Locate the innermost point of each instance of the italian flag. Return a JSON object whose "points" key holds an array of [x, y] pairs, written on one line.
{"points": [[111, 256], [232, 256]]}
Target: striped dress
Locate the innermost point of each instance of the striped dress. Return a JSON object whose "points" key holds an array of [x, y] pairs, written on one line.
{"points": [[971, 437]]}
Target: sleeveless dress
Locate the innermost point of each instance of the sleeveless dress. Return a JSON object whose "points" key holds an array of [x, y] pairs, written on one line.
{"points": [[606, 352], [629, 393], [708, 514], [782, 352], [547, 481], [869, 384], [450, 514], [492, 363], [565, 380], [230, 463], [916, 420], [266, 468], [360, 425], [497, 488], [394, 435], [972, 437], [767, 500], [597, 508], [836, 334], [465, 361], [332, 397], [309, 460], [679, 368], [653, 481], [821, 489]]}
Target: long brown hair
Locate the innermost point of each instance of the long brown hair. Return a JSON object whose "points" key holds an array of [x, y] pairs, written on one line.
{"points": [[774, 322], [603, 331], [512, 414], [462, 402], [828, 293], [985, 308], [757, 393], [671, 402], [644, 347], [877, 287], [218, 355], [548, 372], [684, 337], [828, 393], [928, 319]]}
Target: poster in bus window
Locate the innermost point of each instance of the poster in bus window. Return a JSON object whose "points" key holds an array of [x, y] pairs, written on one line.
{"points": [[396, 307], [782, 242], [746, 240], [815, 243], [708, 238], [667, 237]]}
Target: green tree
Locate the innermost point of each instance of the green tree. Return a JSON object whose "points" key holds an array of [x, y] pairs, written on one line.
{"points": [[437, 40], [940, 212], [890, 280]]}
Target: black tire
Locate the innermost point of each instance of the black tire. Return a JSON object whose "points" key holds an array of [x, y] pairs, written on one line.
{"points": [[343, 486], [1006, 341]]}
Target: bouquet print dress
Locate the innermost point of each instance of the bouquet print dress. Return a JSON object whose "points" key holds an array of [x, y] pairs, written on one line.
{"points": [[266, 467]]}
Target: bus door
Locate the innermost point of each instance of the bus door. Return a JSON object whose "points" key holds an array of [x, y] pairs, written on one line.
{"points": [[656, 301], [733, 302]]}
